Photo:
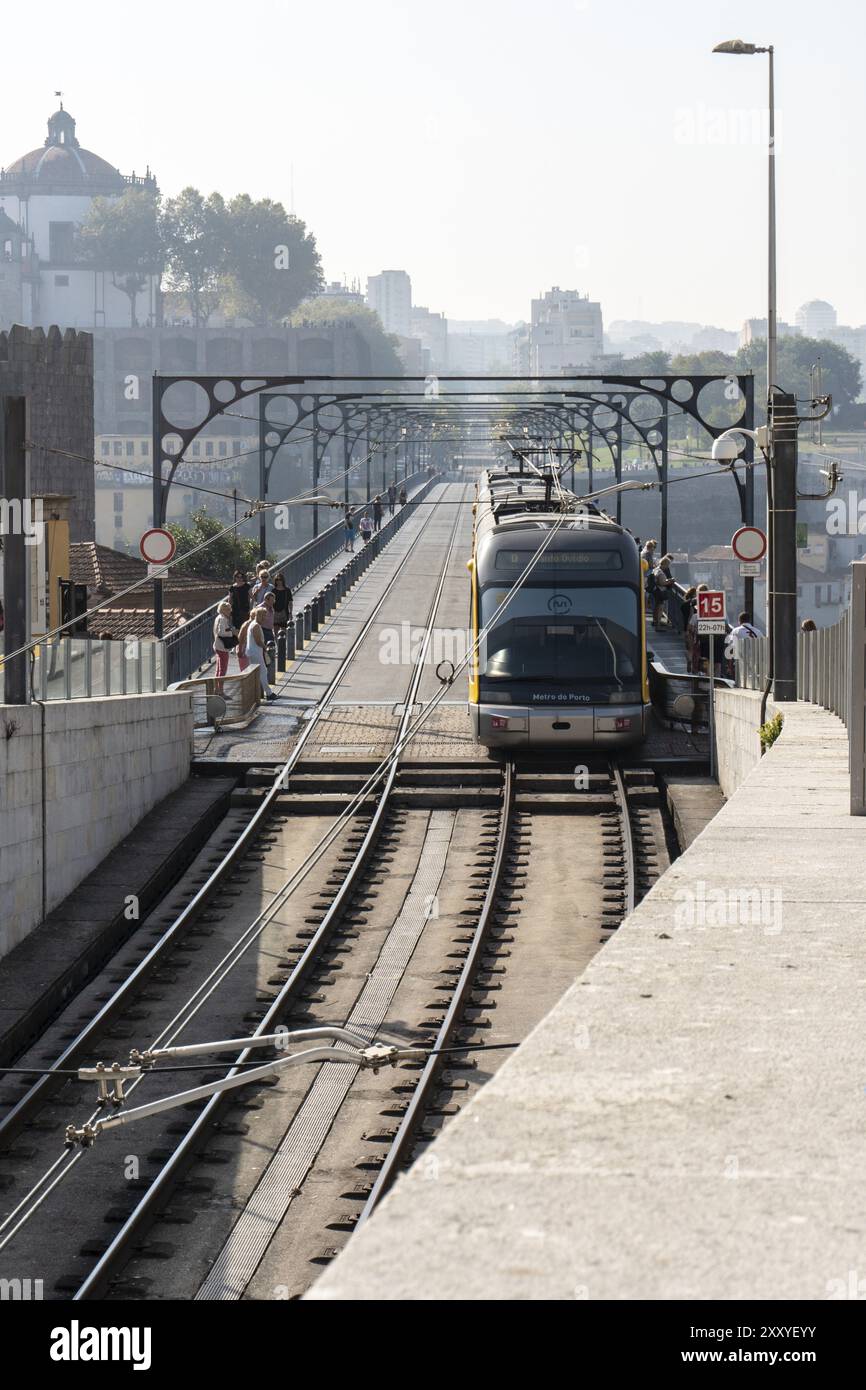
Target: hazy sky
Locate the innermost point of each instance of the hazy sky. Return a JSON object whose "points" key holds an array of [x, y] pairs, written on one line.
{"points": [[489, 147]]}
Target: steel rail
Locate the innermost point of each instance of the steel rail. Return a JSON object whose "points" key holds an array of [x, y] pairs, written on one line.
{"points": [[402, 1143], [627, 836], [95, 1283], [13, 1122]]}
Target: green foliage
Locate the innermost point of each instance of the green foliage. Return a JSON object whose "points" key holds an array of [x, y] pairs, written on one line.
{"points": [[770, 732], [326, 309], [194, 234], [794, 358], [222, 557], [271, 257], [124, 236]]}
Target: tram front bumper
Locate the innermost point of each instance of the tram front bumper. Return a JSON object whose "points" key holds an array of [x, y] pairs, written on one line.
{"points": [[582, 726]]}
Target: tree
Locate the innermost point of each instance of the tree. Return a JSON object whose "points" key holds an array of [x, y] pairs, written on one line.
{"points": [[123, 236], [794, 357], [711, 363], [326, 310], [222, 557], [194, 230], [271, 256]]}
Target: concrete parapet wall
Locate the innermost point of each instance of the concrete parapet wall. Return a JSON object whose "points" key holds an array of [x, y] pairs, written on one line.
{"points": [[687, 1122], [738, 738], [72, 789]]}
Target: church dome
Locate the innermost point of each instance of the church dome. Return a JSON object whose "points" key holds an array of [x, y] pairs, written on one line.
{"points": [[62, 165]]}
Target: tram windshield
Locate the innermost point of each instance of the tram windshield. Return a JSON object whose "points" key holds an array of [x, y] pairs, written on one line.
{"points": [[566, 632]]}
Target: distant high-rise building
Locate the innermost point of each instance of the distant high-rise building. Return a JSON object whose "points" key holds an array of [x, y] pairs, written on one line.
{"points": [[757, 328], [566, 332], [390, 294], [854, 341], [432, 331], [816, 318]]}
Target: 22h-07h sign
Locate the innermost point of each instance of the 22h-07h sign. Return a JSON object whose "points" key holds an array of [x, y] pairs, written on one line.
{"points": [[711, 613]]}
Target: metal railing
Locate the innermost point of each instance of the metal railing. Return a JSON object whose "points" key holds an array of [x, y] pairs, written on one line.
{"points": [[190, 647], [823, 665], [242, 693], [75, 668]]}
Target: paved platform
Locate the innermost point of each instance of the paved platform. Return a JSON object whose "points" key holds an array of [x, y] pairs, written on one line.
{"points": [[688, 1121]]}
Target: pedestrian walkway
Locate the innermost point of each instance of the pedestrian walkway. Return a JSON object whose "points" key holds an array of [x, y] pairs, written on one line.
{"points": [[688, 1121], [304, 683], [669, 648]]}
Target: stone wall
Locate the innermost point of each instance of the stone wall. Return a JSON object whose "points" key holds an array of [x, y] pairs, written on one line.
{"points": [[73, 790], [55, 371], [738, 741]]}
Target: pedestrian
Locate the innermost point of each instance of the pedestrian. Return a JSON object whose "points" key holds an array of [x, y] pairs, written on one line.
{"points": [[282, 603], [377, 513], [744, 628], [808, 625], [255, 648], [243, 659], [349, 532], [664, 594], [239, 598], [403, 495], [262, 585], [268, 623], [224, 640], [366, 527], [392, 498]]}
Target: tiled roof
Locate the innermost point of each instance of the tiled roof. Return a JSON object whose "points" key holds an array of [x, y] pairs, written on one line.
{"points": [[133, 622], [107, 571]]}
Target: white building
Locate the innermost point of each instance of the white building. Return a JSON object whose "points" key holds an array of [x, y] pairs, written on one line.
{"points": [[566, 332], [390, 294], [48, 194], [816, 318]]}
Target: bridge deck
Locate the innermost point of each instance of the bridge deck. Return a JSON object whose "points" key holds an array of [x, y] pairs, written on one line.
{"points": [[687, 1122]]}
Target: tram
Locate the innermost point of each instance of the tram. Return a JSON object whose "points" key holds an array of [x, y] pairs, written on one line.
{"points": [[564, 663]]}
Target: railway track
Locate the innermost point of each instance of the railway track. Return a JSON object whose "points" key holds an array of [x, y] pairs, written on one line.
{"points": [[369, 951], [161, 960]]}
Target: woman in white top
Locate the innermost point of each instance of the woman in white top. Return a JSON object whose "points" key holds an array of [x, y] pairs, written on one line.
{"points": [[255, 645], [222, 628]]}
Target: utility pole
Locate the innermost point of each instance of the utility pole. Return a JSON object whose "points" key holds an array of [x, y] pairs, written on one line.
{"points": [[156, 459], [782, 528], [263, 481], [13, 472]]}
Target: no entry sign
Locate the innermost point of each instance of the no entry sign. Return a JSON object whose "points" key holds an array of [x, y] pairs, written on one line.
{"points": [[749, 544], [157, 546]]}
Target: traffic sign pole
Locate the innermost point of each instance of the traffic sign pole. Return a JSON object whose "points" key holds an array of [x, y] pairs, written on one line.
{"points": [[712, 711]]}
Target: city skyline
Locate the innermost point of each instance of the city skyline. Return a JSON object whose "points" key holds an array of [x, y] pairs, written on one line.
{"points": [[690, 182]]}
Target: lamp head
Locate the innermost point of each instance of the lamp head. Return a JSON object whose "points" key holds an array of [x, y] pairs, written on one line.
{"points": [[725, 449], [736, 46]]}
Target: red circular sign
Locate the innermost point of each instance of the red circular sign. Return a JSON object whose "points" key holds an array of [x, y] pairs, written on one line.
{"points": [[749, 544], [157, 546]]}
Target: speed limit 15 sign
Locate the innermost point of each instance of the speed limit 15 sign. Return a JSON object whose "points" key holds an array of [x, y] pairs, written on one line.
{"points": [[711, 604]]}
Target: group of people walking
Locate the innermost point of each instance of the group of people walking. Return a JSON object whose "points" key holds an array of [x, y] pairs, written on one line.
{"points": [[249, 621], [370, 520]]}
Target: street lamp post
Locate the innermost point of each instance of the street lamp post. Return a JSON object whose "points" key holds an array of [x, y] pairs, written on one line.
{"points": [[782, 439], [739, 47]]}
